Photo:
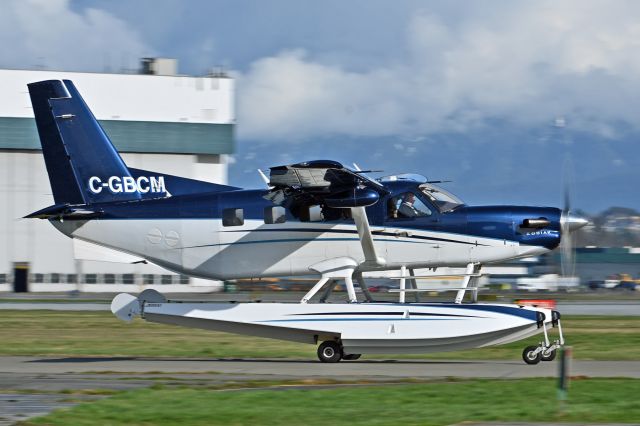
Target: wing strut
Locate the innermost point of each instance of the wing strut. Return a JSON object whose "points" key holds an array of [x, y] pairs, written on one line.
{"points": [[472, 274], [371, 258]]}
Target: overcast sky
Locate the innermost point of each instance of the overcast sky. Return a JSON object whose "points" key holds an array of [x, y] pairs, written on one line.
{"points": [[405, 69]]}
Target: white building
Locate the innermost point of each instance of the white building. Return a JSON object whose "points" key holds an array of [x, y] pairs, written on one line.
{"points": [[180, 125]]}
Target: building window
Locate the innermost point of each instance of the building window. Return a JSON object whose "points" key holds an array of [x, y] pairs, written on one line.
{"points": [[232, 217], [38, 278], [72, 278], [184, 279], [127, 279], [3, 278], [54, 278], [91, 278], [149, 279], [166, 279], [274, 215], [109, 278]]}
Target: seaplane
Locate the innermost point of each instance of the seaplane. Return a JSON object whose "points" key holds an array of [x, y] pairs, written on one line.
{"points": [[313, 218]]}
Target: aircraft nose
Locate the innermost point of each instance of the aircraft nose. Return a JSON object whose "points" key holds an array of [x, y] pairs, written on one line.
{"points": [[572, 222]]}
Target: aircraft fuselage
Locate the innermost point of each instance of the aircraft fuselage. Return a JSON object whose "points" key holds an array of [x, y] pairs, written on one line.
{"points": [[186, 234]]}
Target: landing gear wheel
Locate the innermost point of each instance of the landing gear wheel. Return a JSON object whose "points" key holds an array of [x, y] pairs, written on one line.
{"points": [[351, 357], [548, 355], [530, 356], [330, 351]]}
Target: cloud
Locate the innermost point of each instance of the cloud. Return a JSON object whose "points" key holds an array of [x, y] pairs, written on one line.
{"points": [[49, 33], [527, 63]]}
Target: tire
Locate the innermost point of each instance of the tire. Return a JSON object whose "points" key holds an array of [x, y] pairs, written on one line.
{"points": [[528, 357], [549, 356], [351, 357], [330, 352]]}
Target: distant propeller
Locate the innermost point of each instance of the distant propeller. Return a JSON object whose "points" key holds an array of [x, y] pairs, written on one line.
{"points": [[567, 259]]}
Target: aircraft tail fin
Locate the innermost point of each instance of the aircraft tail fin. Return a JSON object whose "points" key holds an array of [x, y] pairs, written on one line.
{"points": [[83, 165]]}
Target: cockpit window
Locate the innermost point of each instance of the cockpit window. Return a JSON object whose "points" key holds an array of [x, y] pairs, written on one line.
{"points": [[407, 205], [445, 201]]}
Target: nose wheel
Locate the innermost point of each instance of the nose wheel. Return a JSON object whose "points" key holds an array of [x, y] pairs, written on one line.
{"points": [[548, 354], [534, 354], [545, 351], [531, 355]]}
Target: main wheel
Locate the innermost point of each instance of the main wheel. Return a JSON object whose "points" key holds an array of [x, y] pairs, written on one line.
{"points": [[548, 355], [330, 351], [351, 357], [530, 356]]}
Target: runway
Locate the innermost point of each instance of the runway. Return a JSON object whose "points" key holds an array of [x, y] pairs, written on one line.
{"points": [[276, 369], [32, 386]]}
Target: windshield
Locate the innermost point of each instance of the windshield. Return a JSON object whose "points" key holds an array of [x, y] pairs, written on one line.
{"points": [[445, 201]]}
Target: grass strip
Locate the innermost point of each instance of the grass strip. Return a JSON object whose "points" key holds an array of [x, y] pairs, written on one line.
{"points": [[439, 403]]}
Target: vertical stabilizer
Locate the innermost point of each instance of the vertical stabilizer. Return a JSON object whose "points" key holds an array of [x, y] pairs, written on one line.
{"points": [[83, 165]]}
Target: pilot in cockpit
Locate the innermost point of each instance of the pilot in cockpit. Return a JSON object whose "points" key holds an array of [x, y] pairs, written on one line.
{"points": [[408, 207]]}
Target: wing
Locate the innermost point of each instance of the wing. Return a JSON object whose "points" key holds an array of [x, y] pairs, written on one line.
{"points": [[326, 182], [331, 186]]}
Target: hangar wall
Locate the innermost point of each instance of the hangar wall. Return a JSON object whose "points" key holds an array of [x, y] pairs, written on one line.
{"points": [[179, 125]]}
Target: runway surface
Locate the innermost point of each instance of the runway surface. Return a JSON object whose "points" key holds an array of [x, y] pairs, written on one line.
{"points": [[278, 369], [33, 386]]}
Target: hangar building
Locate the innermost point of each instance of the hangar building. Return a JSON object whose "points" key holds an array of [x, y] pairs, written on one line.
{"points": [[157, 119]]}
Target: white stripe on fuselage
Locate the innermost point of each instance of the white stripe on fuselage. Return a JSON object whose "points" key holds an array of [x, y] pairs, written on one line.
{"points": [[207, 249]]}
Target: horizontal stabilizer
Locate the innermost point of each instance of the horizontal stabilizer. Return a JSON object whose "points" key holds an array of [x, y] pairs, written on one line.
{"points": [[84, 250], [65, 211]]}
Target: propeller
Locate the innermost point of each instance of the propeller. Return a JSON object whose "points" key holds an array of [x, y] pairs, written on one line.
{"points": [[569, 223]]}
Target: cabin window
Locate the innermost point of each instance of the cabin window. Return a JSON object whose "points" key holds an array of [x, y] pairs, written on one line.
{"points": [[443, 200], [232, 217], [407, 205], [274, 215]]}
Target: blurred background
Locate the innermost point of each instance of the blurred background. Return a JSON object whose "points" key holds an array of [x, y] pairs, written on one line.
{"points": [[512, 101]]}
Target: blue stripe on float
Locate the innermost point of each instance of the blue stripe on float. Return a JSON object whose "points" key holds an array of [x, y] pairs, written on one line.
{"points": [[507, 310]]}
